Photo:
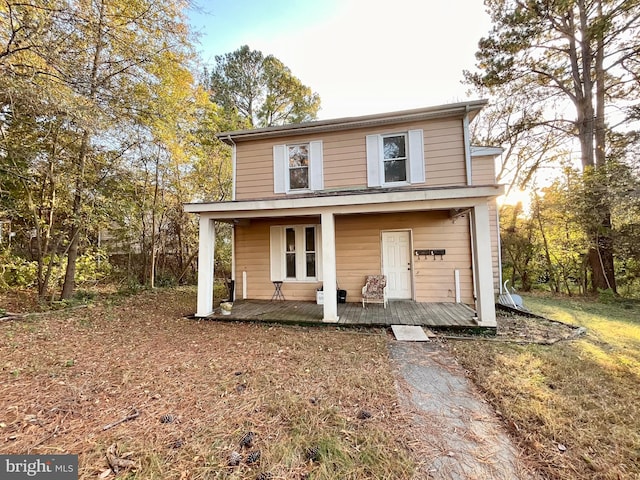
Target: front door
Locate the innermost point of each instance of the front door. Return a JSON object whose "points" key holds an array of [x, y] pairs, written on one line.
{"points": [[396, 263]]}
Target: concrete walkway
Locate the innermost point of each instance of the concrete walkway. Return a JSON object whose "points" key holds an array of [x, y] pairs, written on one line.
{"points": [[461, 436]]}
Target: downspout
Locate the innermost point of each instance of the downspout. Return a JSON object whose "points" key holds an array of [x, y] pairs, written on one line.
{"points": [[499, 249], [233, 197], [233, 167], [467, 144]]}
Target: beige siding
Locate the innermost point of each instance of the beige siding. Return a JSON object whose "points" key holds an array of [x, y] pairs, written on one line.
{"points": [[344, 157], [483, 173], [483, 170], [253, 257], [358, 246]]}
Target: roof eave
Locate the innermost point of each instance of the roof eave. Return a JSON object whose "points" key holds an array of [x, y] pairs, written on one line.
{"points": [[448, 110]]}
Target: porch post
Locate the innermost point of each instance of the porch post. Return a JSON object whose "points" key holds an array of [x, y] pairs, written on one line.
{"points": [[329, 280], [483, 270], [206, 266]]}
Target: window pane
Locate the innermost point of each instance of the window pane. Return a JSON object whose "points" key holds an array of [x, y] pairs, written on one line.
{"points": [[310, 239], [299, 156], [394, 147], [311, 264], [291, 240], [298, 178], [395, 171], [291, 265]]}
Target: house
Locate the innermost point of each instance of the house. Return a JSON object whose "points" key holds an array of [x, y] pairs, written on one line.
{"points": [[325, 203]]}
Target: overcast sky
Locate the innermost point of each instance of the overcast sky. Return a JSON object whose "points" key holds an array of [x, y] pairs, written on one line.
{"points": [[361, 56]]}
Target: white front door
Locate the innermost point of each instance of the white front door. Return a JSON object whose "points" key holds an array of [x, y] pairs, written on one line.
{"points": [[396, 263]]}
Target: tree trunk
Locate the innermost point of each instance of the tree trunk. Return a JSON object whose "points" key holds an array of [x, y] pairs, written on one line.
{"points": [[68, 286], [601, 253]]}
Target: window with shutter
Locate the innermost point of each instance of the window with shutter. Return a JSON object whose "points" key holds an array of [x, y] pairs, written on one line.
{"points": [[395, 159], [295, 253], [298, 167]]}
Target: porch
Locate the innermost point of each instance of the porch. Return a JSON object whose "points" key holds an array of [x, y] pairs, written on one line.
{"points": [[405, 312]]}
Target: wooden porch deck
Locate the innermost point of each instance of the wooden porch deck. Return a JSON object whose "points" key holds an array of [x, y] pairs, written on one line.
{"points": [[403, 312]]}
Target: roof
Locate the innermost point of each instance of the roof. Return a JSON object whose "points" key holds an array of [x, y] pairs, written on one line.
{"points": [[471, 107]]}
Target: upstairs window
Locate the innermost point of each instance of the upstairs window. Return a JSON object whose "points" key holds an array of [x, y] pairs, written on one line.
{"points": [[298, 166], [394, 158]]}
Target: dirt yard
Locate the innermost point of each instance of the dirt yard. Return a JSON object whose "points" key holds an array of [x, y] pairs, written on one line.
{"points": [[321, 402], [134, 386]]}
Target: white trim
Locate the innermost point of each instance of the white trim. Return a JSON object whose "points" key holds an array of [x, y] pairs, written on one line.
{"points": [[287, 168], [381, 160], [412, 289], [316, 174], [485, 304], [233, 252], [244, 285], [280, 183], [206, 264], [278, 253], [456, 197], [438, 111], [415, 154], [276, 260], [233, 170], [456, 281], [478, 151], [373, 160], [330, 283], [499, 246], [467, 147]]}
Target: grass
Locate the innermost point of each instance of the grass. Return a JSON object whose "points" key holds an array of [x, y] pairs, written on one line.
{"points": [[572, 407], [67, 374]]}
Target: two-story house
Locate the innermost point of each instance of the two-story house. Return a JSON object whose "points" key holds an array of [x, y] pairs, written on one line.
{"points": [[326, 203]]}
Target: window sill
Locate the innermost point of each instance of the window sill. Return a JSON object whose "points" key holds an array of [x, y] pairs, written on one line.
{"points": [[396, 184]]}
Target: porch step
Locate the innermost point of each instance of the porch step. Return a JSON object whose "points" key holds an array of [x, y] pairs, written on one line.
{"points": [[411, 333]]}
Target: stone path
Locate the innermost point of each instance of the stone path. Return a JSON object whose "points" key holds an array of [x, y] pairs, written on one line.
{"points": [[463, 439]]}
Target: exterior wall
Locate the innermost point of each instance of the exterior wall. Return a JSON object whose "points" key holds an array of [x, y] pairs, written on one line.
{"points": [[358, 247], [483, 173], [252, 251], [344, 157], [359, 253]]}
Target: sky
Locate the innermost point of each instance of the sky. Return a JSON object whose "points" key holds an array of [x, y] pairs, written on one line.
{"points": [[360, 56]]}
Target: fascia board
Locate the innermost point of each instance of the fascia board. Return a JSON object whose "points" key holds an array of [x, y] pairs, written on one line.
{"points": [[361, 203]]}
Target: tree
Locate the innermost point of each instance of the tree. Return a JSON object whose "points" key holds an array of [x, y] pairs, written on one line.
{"points": [[261, 90], [87, 68], [574, 65]]}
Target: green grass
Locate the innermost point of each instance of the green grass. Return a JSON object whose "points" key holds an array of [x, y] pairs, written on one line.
{"points": [[581, 394]]}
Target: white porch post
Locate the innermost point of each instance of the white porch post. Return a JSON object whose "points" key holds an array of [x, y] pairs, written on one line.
{"points": [[206, 266], [329, 280], [483, 277]]}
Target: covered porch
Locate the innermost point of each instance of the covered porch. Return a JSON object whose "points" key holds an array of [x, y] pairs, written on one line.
{"points": [[348, 227], [405, 312]]}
